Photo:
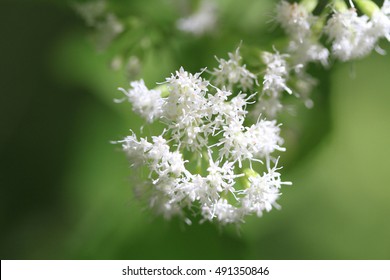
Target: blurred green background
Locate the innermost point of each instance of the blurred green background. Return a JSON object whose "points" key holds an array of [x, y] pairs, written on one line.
{"points": [[66, 192]]}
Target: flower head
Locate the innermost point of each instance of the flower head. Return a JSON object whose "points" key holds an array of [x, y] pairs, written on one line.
{"points": [[147, 103], [232, 72], [276, 73], [350, 35], [209, 123], [294, 19], [263, 191]]}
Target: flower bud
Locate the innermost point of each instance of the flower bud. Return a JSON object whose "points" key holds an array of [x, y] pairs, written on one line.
{"points": [[340, 6], [309, 5], [368, 7]]}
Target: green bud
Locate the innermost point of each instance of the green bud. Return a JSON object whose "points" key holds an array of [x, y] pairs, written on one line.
{"points": [[309, 5], [340, 6], [164, 90], [367, 7], [249, 173]]}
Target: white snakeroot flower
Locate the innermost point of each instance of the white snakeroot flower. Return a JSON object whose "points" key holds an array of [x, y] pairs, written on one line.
{"points": [[350, 35], [185, 108], [173, 165], [386, 7], [381, 22], [147, 103], [186, 96], [380, 26], [235, 110], [158, 155], [218, 109], [222, 211], [207, 121], [308, 51], [136, 150], [276, 73], [231, 72], [221, 177], [205, 159], [197, 188], [295, 20], [298, 23], [263, 138], [257, 141], [263, 192], [201, 22], [234, 143]]}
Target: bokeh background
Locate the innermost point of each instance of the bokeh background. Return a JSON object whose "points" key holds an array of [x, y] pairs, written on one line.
{"points": [[66, 192]]}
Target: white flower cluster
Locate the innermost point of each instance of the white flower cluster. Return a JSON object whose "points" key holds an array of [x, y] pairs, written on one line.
{"points": [[146, 103], [351, 35], [296, 19], [275, 79], [231, 72], [210, 159]]}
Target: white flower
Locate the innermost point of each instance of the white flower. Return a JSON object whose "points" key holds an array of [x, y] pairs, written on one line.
{"points": [[276, 73], [222, 211], [235, 110], [298, 24], [263, 192], [231, 72], [263, 138], [136, 150], [221, 178], [308, 51], [202, 21], [217, 102], [158, 155], [381, 22], [173, 164], [198, 189], [186, 96], [350, 35], [258, 141], [234, 143], [185, 108], [147, 103], [295, 20]]}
